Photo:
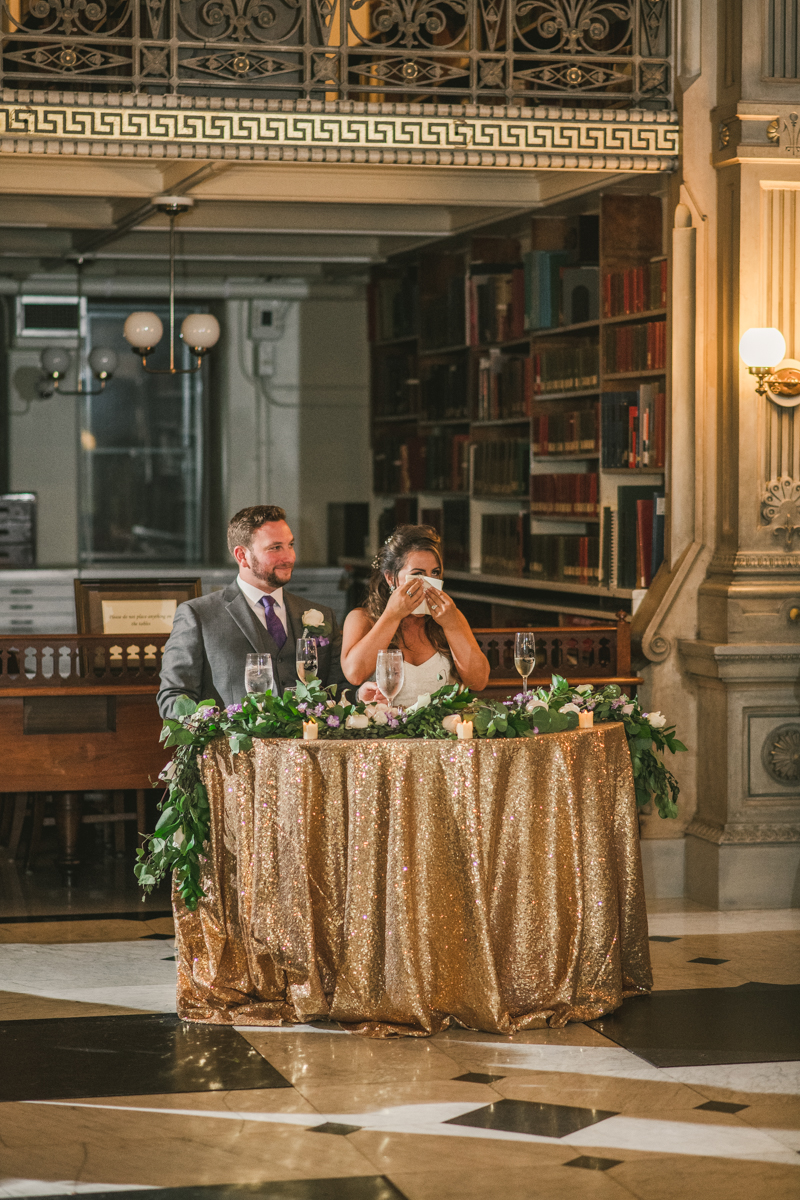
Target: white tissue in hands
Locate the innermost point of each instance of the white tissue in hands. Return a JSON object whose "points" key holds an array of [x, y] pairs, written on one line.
{"points": [[422, 609]]}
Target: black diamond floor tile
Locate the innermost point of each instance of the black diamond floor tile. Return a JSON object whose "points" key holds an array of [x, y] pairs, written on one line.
{"points": [[82, 1057], [755, 1022], [591, 1162], [157, 937], [361, 1187], [720, 1106], [525, 1116], [477, 1077], [711, 962], [657, 937], [335, 1128]]}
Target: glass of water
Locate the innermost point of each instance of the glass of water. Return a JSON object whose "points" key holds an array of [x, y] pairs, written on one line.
{"points": [[306, 659], [258, 673], [390, 672], [524, 657]]}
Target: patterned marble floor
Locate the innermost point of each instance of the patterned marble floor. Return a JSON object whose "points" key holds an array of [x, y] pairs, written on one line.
{"points": [[103, 1090]]}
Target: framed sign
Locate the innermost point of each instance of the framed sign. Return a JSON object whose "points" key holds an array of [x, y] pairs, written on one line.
{"points": [[130, 606]]}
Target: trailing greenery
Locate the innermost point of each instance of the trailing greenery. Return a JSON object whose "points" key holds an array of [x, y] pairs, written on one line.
{"points": [[180, 840]]}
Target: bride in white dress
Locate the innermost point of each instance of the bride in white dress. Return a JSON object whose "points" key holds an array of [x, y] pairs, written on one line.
{"points": [[437, 649]]}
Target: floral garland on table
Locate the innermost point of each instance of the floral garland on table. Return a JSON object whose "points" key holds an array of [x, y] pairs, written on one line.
{"points": [[180, 840]]}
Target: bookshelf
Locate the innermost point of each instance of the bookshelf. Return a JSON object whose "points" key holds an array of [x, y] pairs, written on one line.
{"points": [[519, 393]]}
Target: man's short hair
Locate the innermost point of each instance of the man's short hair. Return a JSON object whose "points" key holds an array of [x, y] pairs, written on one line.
{"points": [[244, 523]]}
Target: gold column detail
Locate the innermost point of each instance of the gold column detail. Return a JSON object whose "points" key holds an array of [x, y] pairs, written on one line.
{"points": [[780, 266]]}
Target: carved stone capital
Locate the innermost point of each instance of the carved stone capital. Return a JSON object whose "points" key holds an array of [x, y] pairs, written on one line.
{"points": [[742, 835]]}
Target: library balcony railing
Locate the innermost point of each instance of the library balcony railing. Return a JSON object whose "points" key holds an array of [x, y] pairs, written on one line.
{"points": [[581, 53]]}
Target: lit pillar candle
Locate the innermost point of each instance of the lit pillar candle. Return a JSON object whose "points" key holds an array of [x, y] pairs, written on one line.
{"points": [[464, 731], [586, 720], [310, 731]]}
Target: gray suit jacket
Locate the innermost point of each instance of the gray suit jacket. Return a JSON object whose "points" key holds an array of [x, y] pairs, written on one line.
{"points": [[204, 657]]}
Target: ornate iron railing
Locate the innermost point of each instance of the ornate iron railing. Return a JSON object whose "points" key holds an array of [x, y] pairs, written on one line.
{"points": [[591, 53]]}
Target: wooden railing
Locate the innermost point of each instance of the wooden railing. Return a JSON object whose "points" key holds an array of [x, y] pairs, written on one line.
{"points": [[597, 654], [82, 661]]}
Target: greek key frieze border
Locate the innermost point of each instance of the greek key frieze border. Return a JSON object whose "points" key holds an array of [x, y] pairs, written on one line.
{"points": [[450, 139]]}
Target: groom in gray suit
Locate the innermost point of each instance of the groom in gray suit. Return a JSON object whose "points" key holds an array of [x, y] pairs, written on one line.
{"points": [[212, 636]]}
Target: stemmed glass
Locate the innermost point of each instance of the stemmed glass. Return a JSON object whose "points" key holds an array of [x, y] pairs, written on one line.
{"points": [[306, 659], [258, 673], [524, 657], [390, 672]]}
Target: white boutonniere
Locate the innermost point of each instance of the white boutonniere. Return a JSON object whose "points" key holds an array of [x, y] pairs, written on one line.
{"points": [[315, 626]]}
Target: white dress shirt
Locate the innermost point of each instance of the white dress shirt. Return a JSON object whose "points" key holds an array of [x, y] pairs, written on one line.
{"points": [[254, 596]]}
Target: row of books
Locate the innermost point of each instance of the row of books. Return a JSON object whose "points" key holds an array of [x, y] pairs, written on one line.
{"points": [[564, 558], [633, 426], [504, 543], [393, 307], [443, 317], [501, 467], [444, 390], [496, 304], [633, 536], [566, 368], [638, 289], [436, 462], [574, 432], [568, 495], [505, 386], [395, 384], [641, 347]]}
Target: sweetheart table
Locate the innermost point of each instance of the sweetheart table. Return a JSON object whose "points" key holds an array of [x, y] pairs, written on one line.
{"points": [[395, 886]]}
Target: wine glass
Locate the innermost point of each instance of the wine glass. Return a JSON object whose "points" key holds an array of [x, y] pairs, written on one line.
{"points": [[390, 672], [524, 657], [306, 659], [258, 673]]}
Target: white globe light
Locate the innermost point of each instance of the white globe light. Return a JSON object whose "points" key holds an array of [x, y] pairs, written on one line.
{"points": [[200, 331], [103, 362], [762, 347], [55, 361], [143, 330]]}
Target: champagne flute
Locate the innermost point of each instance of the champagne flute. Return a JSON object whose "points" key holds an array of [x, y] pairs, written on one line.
{"points": [[524, 657], [258, 673], [306, 659], [390, 672]]}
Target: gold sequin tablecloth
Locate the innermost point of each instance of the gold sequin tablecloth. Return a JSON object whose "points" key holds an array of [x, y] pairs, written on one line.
{"points": [[394, 885]]}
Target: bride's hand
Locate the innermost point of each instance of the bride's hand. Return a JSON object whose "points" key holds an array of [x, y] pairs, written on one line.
{"points": [[370, 693], [405, 599], [443, 609]]}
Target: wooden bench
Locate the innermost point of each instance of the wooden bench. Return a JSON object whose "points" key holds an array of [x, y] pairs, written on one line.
{"points": [[597, 654]]}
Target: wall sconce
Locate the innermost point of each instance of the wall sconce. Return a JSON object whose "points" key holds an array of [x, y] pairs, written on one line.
{"points": [[55, 360], [144, 330], [761, 350]]}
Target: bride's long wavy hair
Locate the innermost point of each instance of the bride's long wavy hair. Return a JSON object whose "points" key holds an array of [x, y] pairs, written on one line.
{"points": [[390, 560]]}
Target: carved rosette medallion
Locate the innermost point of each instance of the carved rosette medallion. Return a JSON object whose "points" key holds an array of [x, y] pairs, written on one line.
{"points": [[780, 755], [780, 507]]}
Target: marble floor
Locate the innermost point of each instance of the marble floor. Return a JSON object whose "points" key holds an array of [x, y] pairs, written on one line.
{"points": [[694, 1092]]}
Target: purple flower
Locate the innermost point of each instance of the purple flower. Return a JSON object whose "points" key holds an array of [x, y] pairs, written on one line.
{"points": [[333, 722], [208, 711], [323, 641], [232, 709], [393, 723], [302, 707], [319, 710], [536, 729]]}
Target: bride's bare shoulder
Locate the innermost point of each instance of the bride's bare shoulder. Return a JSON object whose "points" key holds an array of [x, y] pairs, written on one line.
{"points": [[358, 621]]}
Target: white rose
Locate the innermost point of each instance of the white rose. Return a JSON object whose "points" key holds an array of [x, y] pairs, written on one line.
{"points": [[536, 703], [422, 702], [450, 722], [178, 839], [628, 709], [313, 617], [378, 716], [357, 721], [657, 720], [569, 708], [584, 690], [330, 704]]}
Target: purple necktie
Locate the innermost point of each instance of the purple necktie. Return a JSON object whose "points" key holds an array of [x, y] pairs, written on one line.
{"points": [[274, 626]]}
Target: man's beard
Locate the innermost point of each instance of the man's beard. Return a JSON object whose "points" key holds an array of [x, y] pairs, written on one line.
{"points": [[269, 577]]}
